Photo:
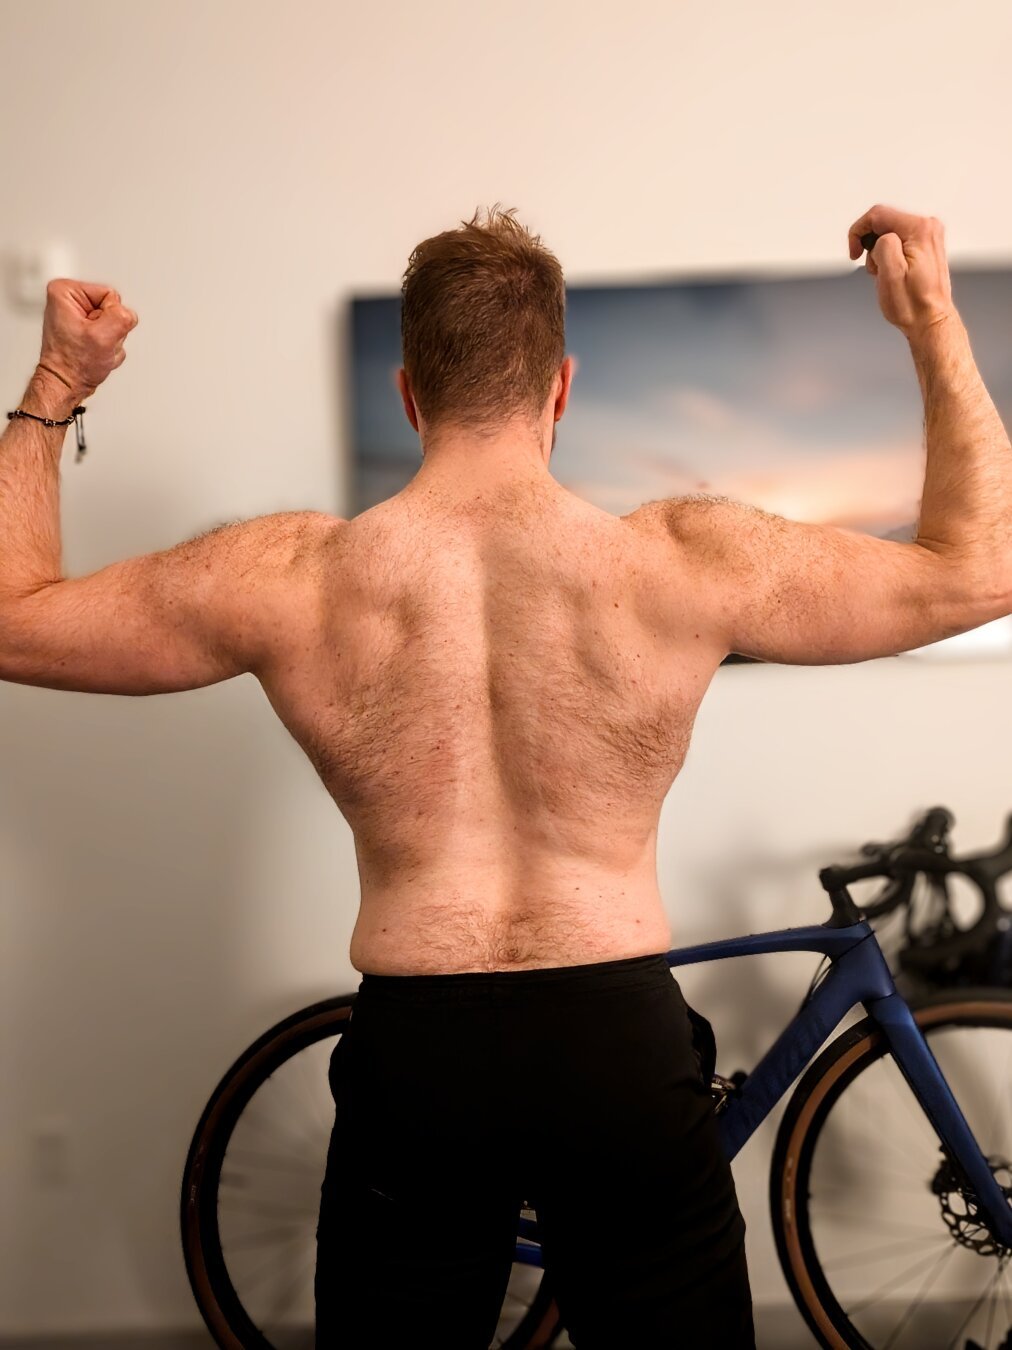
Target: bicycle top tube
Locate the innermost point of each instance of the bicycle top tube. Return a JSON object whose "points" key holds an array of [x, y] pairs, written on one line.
{"points": [[831, 942]]}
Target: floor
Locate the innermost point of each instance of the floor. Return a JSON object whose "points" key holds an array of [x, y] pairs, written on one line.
{"points": [[776, 1329]]}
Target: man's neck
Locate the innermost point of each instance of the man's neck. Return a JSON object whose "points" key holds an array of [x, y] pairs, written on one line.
{"points": [[464, 466]]}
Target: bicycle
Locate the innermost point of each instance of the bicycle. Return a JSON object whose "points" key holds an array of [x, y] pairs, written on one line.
{"points": [[936, 950], [246, 1191]]}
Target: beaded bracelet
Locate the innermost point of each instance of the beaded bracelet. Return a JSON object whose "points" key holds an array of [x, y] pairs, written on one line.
{"points": [[77, 417]]}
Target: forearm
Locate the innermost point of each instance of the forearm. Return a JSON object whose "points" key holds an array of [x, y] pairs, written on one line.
{"points": [[966, 508], [30, 549]]}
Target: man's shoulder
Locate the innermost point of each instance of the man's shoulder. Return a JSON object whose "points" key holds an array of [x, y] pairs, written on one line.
{"points": [[688, 515], [717, 536], [272, 541]]}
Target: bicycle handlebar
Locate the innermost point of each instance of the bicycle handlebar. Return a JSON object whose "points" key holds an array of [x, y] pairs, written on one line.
{"points": [[925, 849], [931, 831]]}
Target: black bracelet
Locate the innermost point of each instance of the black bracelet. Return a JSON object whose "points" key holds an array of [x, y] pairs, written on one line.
{"points": [[77, 417]]}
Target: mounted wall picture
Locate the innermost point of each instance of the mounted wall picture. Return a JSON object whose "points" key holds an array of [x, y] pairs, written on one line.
{"points": [[791, 393]]}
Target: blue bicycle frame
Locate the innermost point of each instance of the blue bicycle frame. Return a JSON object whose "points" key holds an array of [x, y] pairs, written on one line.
{"points": [[858, 974]]}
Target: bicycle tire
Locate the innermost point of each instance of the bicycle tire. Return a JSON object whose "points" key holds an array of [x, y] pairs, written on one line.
{"points": [[217, 1299], [821, 1087]]}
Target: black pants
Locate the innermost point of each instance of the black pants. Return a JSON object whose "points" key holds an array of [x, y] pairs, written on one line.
{"points": [[574, 1088]]}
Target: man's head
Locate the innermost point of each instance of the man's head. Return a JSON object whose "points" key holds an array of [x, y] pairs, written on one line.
{"points": [[483, 331]]}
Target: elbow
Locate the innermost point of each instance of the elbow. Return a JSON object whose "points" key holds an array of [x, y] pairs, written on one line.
{"points": [[989, 593], [20, 632], [8, 635], [977, 600], [1001, 600], [970, 591], [11, 643]]}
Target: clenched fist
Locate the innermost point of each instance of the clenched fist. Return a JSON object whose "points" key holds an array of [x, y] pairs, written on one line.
{"points": [[83, 331], [909, 266]]}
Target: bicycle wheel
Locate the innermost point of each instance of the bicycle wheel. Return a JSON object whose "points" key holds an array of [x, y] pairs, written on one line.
{"points": [[251, 1197], [877, 1240]]}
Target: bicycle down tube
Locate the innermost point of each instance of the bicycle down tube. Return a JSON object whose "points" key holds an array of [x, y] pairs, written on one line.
{"points": [[858, 974]]}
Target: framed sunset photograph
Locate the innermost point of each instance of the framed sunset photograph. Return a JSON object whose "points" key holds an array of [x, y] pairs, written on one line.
{"points": [[786, 392]]}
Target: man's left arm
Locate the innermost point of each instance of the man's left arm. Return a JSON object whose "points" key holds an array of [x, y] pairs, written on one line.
{"points": [[203, 611]]}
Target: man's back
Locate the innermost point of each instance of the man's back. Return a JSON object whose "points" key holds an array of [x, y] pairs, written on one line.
{"points": [[498, 692]]}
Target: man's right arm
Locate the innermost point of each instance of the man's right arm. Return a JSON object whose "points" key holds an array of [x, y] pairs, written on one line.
{"points": [[802, 594], [798, 594]]}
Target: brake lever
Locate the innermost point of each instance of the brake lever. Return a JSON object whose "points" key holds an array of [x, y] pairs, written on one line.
{"points": [[876, 850]]}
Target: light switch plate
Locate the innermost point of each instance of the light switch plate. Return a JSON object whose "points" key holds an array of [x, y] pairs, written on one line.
{"points": [[30, 270]]}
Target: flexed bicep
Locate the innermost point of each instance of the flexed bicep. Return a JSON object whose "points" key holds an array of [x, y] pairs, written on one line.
{"points": [[193, 615], [800, 594]]}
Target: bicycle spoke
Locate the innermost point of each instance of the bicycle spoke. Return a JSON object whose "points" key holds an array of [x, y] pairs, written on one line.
{"points": [[899, 1158], [905, 1321], [887, 1226], [284, 1234], [257, 1118], [268, 1130], [981, 1100], [265, 1208], [892, 1284], [288, 1296], [970, 1315], [1006, 1303], [900, 1161], [1001, 1086], [990, 1325], [263, 1160], [850, 1187], [263, 1265], [299, 1236], [892, 1177], [307, 1138], [317, 1091], [874, 1254]]}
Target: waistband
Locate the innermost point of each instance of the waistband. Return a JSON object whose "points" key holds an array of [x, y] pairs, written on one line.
{"points": [[631, 972]]}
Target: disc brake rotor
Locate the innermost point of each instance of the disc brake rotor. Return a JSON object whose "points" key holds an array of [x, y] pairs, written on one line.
{"points": [[961, 1211]]}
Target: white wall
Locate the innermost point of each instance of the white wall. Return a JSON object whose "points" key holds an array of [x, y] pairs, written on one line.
{"points": [[173, 877]]}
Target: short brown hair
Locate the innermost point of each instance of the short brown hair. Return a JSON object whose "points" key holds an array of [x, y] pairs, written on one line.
{"points": [[482, 322]]}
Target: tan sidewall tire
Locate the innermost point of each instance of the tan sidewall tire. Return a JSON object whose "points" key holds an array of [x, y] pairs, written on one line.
{"points": [[798, 1122]]}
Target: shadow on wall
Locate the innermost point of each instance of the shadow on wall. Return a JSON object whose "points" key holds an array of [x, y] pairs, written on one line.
{"points": [[749, 1000]]}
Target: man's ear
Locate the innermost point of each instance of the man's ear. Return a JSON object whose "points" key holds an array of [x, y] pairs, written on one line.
{"points": [[408, 401], [564, 382]]}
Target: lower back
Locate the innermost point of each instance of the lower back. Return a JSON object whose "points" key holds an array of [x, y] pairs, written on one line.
{"points": [[493, 915]]}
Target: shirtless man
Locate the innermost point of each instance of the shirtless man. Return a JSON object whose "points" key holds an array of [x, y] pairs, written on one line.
{"points": [[496, 682]]}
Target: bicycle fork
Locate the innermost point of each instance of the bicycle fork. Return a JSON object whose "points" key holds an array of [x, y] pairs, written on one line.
{"points": [[917, 1063]]}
